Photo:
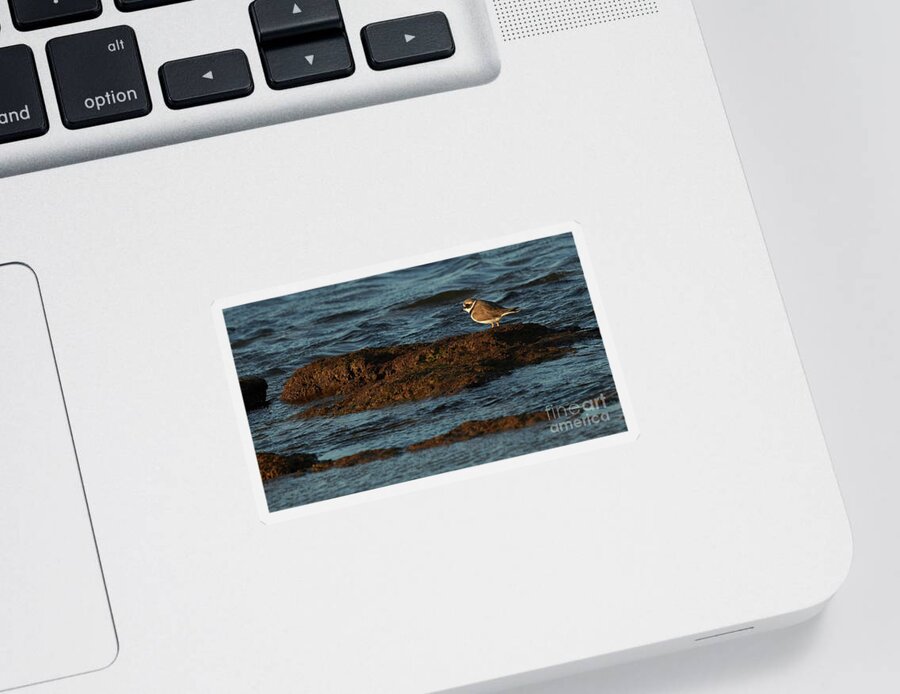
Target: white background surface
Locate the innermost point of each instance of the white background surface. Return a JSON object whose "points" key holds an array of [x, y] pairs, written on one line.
{"points": [[812, 94]]}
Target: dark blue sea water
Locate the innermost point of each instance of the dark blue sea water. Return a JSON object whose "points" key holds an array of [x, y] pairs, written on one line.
{"points": [[544, 278]]}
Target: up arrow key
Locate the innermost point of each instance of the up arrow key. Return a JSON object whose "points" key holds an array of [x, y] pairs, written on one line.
{"points": [[408, 37], [288, 21]]}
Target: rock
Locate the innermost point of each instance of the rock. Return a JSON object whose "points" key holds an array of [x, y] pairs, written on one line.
{"points": [[272, 465], [253, 390], [479, 427], [377, 377]]}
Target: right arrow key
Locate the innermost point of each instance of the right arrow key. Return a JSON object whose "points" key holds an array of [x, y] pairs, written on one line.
{"points": [[408, 40]]}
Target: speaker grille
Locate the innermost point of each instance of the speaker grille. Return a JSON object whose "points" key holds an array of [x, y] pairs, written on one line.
{"points": [[521, 19]]}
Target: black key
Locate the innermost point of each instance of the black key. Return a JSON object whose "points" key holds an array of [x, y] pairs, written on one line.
{"points": [[22, 111], [131, 5], [284, 19], [296, 64], [99, 77], [408, 40], [206, 79], [37, 14]]}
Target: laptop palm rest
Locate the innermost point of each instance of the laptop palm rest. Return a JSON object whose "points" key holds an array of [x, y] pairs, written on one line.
{"points": [[55, 618]]}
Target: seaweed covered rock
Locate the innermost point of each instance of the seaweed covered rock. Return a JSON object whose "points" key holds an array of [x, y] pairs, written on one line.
{"points": [[481, 427], [272, 465], [377, 377]]}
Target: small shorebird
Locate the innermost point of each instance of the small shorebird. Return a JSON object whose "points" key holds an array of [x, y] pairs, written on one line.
{"points": [[486, 312]]}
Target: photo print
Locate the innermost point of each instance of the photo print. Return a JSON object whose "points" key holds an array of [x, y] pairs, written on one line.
{"points": [[406, 374]]}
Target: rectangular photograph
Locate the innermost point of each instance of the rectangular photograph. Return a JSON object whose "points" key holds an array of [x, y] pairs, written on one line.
{"points": [[421, 371]]}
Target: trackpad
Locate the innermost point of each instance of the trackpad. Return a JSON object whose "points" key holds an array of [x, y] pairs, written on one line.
{"points": [[55, 619]]}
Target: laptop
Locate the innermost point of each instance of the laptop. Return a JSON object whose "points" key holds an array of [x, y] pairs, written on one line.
{"points": [[386, 347]]}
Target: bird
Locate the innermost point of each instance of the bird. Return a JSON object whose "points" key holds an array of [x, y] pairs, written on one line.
{"points": [[486, 312]]}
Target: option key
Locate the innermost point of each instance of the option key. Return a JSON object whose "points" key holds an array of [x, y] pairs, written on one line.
{"points": [[99, 77]]}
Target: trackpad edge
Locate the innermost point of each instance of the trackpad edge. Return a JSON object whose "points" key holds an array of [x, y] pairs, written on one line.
{"points": [[55, 618]]}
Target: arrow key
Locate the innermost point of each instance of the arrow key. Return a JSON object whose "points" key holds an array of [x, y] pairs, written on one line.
{"points": [[206, 79], [408, 40], [274, 20], [297, 64]]}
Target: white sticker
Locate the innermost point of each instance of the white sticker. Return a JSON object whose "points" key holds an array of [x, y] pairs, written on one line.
{"points": [[398, 377]]}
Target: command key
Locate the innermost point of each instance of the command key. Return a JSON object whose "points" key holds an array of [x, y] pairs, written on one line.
{"points": [[21, 104]]}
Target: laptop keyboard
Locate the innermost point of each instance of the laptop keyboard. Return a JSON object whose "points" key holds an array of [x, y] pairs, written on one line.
{"points": [[102, 76]]}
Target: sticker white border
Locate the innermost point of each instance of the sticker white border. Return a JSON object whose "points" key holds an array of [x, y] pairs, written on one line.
{"points": [[488, 468]]}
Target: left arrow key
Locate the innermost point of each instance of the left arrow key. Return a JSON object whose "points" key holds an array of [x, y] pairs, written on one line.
{"points": [[206, 79]]}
